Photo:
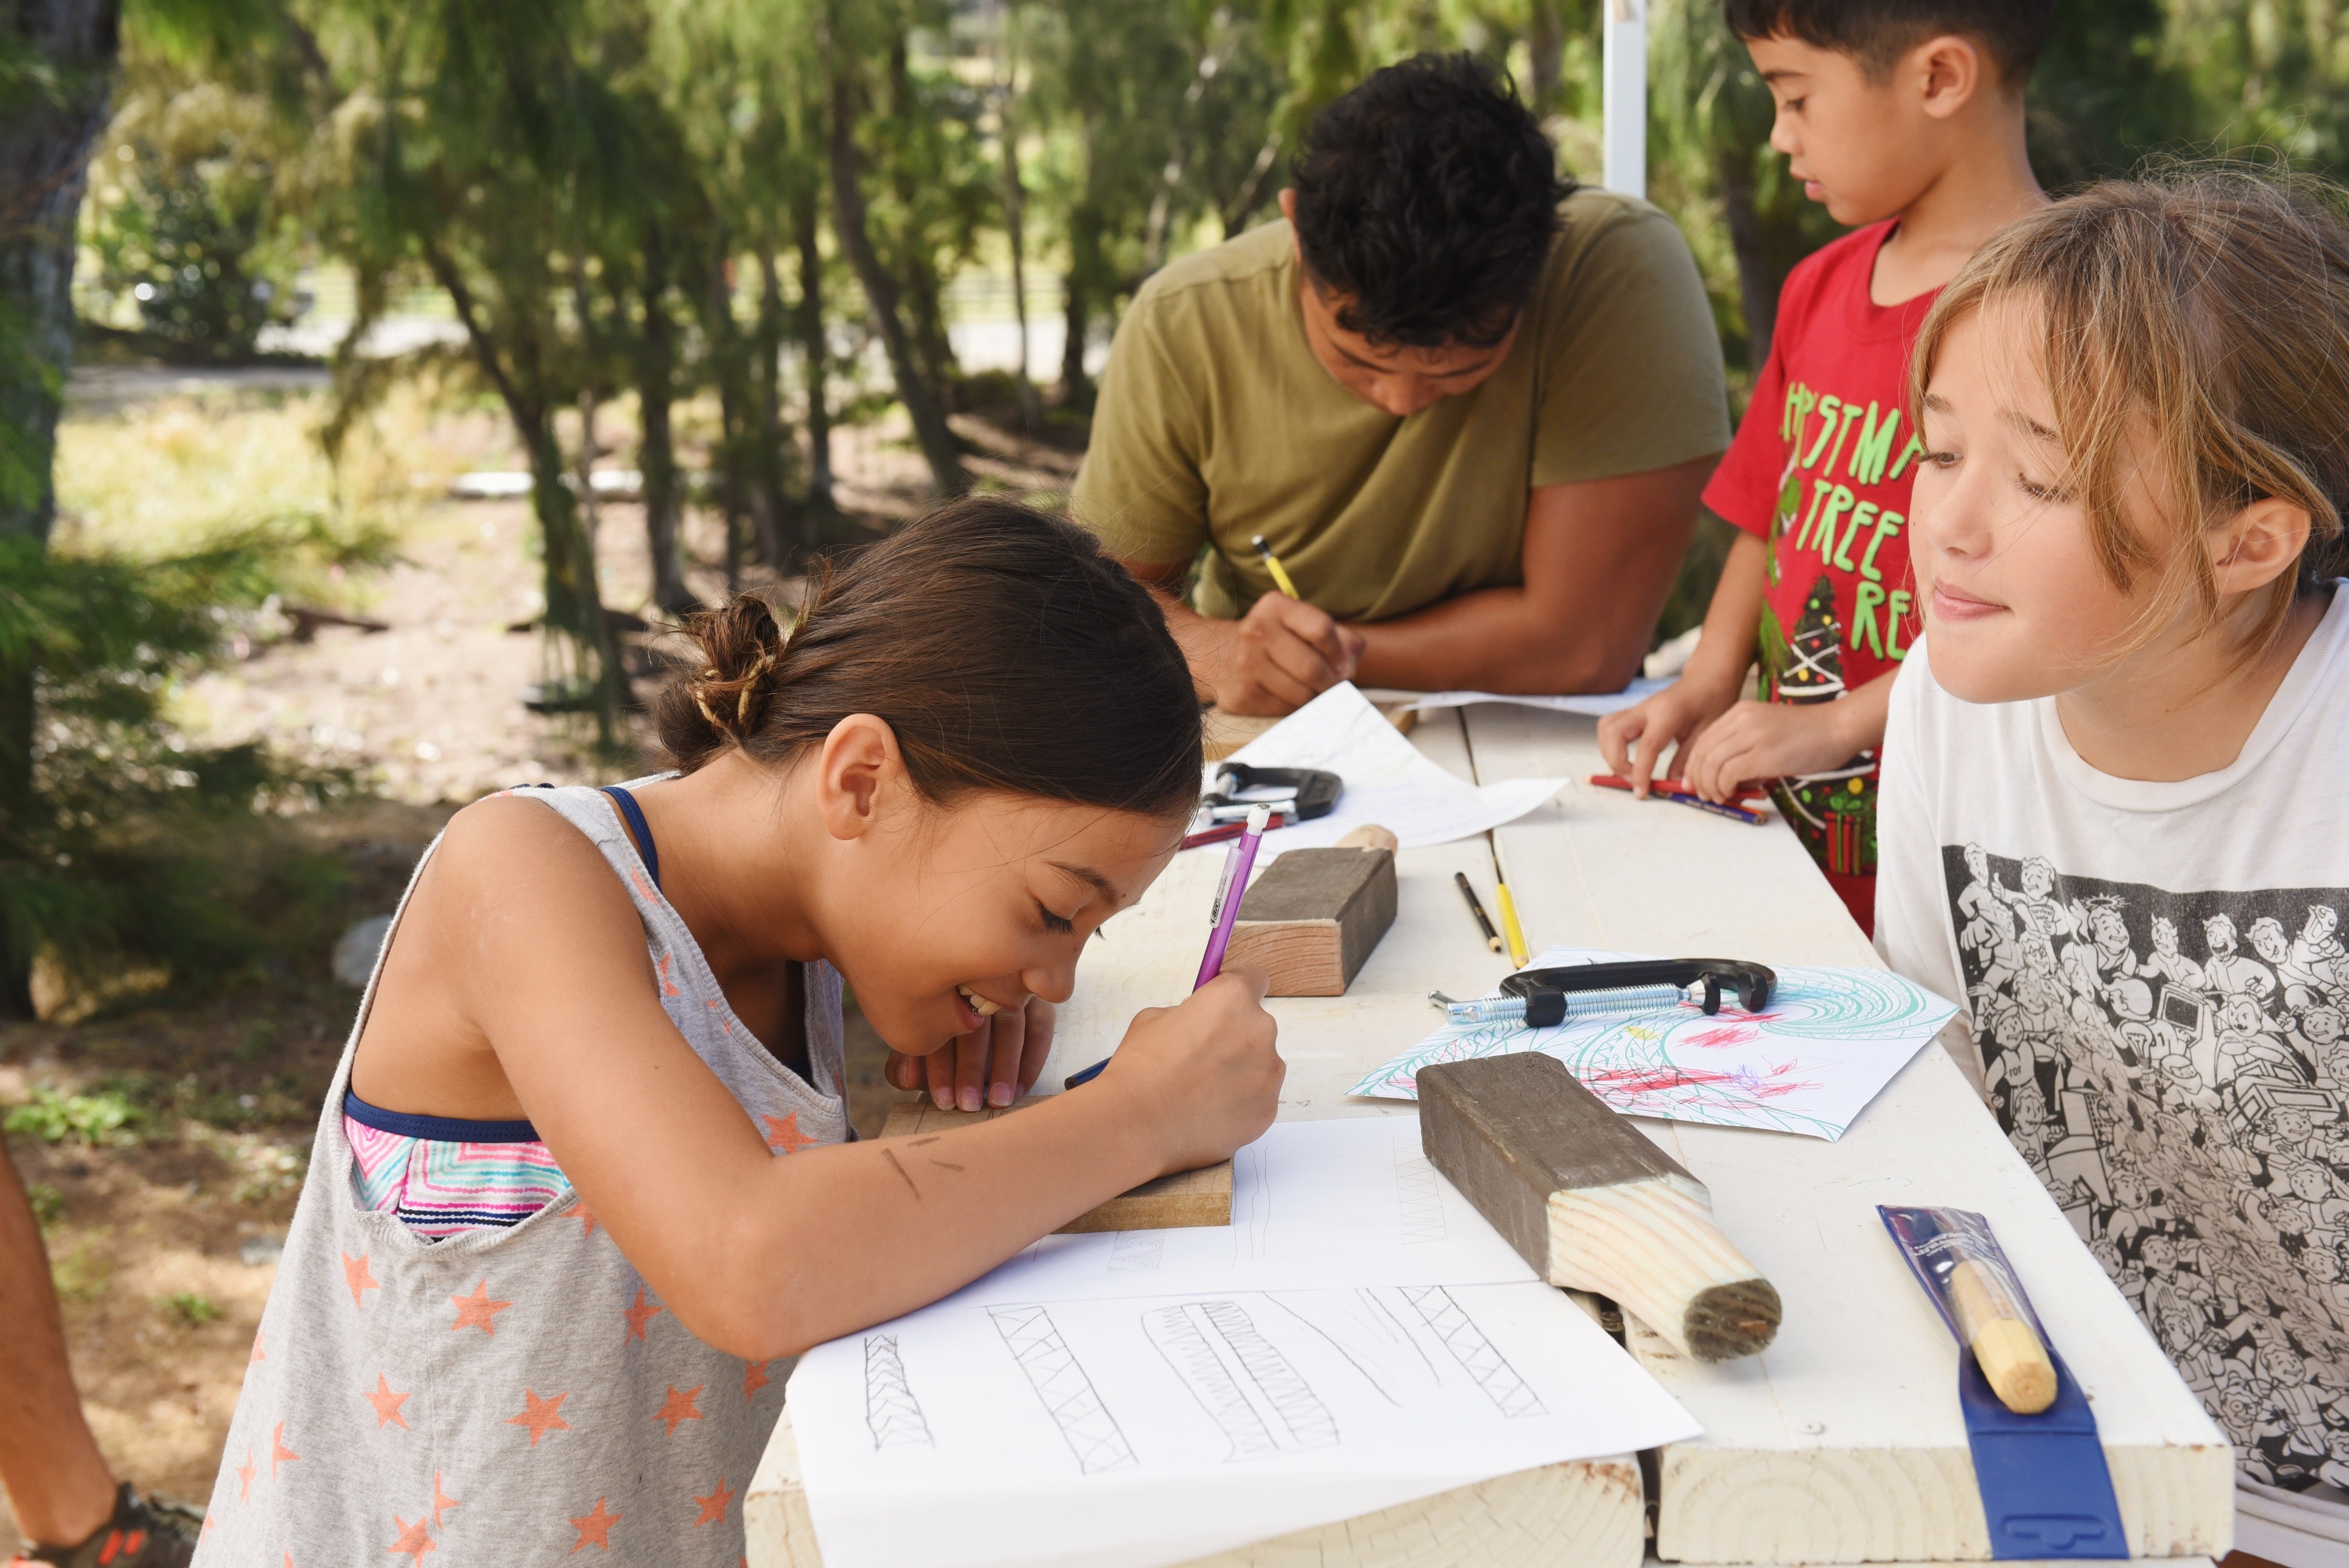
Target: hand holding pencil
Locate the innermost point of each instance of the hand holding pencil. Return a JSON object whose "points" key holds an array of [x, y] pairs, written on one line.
{"points": [[1281, 654], [1202, 1078]]}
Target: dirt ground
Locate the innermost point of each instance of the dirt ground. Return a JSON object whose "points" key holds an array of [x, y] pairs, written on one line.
{"points": [[162, 1231]]}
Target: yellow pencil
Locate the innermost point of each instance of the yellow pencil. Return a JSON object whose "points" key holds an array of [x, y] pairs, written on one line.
{"points": [[1509, 927], [1272, 564]]}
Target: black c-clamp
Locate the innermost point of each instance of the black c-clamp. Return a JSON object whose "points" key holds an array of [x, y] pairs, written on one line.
{"points": [[1545, 989], [1312, 793]]}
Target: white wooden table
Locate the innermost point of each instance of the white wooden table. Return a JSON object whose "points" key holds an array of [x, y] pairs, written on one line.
{"points": [[1843, 1443]]}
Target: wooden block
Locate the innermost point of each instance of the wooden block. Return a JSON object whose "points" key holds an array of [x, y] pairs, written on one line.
{"points": [[1228, 732], [1592, 1204], [1311, 919], [1180, 1202], [1587, 1513]]}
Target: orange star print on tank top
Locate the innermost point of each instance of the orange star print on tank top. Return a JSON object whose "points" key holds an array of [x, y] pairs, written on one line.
{"points": [[512, 1395]]}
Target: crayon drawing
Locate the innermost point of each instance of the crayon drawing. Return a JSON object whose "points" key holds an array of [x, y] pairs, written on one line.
{"points": [[1827, 1045]]}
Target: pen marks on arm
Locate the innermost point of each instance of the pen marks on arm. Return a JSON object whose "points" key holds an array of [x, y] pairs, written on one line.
{"points": [[902, 1174]]}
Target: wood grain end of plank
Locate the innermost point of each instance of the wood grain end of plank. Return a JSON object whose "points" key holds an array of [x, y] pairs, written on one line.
{"points": [[1588, 1513], [1652, 1246], [778, 1532], [1830, 1502]]}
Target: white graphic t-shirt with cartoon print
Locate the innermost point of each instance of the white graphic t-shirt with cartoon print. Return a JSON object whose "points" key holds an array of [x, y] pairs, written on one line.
{"points": [[2155, 978]]}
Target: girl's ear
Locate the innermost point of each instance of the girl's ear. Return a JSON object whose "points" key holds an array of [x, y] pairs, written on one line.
{"points": [[2260, 544], [859, 772]]}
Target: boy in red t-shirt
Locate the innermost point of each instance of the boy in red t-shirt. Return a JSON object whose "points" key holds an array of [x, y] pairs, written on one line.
{"points": [[1905, 116]]}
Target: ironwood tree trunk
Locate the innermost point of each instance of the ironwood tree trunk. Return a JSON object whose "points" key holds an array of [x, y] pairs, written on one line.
{"points": [[1765, 251], [657, 451], [921, 397], [1086, 267], [922, 303], [575, 602], [1015, 226], [769, 504], [45, 138], [1545, 49], [726, 362], [815, 351]]}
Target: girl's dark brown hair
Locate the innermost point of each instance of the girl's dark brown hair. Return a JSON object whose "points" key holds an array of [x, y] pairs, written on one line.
{"points": [[1002, 648]]}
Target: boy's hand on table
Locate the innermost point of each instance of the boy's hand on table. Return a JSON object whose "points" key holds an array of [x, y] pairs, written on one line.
{"points": [[1204, 1077], [1279, 657], [1634, 740], [1758, 742], [993, 1065]]}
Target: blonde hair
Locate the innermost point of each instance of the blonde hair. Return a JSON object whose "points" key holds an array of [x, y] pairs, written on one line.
{"points": [[2213, 304]]}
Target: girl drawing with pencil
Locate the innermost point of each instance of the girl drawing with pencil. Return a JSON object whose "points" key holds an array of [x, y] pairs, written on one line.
{"points": [[581, 1179]]}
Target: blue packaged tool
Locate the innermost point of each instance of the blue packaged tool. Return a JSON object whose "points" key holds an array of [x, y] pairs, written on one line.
{"points": [[2045, 1490]]}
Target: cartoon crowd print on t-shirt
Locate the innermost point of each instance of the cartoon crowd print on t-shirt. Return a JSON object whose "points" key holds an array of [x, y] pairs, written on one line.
{"points": [[2175, 1067]]}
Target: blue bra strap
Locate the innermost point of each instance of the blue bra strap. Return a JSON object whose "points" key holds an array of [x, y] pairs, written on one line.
{"points": [[435, 1129], [637, 824]]}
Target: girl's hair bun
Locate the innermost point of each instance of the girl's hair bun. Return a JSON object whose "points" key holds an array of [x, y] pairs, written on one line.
{"points": [[721, 690], [1002, 648]]}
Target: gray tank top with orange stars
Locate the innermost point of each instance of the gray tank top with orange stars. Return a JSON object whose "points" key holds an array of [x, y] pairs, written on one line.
{"points": [[512, 1395]]}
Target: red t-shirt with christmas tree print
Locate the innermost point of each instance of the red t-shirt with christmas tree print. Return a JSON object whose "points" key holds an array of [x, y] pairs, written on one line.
{"points": [[1820, 472]]}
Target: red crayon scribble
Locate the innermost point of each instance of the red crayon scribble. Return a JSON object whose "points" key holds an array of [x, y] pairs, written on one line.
{"points": [[1630, 1082], [1709, 1039]]}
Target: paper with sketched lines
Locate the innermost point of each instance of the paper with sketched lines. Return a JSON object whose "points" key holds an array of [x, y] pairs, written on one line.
{"points": [[1809, 1063], [1130, 1432]]}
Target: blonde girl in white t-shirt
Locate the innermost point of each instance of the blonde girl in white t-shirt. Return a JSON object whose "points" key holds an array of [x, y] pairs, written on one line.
{"points": [[2128, 719]]}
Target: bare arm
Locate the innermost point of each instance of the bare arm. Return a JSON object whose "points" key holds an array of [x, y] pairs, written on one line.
{"points": [[760, 1255], [1598, 560]]}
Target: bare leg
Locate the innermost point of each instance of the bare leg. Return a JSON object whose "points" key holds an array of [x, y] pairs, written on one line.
{"points": [[56, 1481]]}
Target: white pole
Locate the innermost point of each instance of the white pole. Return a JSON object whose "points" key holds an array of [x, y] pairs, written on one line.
{"points": [[1623, 114]]}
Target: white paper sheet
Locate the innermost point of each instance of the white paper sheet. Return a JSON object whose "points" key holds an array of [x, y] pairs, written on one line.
{"points": [[1388, 780], [1595, 704], [1809, 1063], [1135, 1432], [1314, 1204]]}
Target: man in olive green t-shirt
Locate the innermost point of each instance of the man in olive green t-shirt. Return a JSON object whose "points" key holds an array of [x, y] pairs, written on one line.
{"points": [[1468, 406]]}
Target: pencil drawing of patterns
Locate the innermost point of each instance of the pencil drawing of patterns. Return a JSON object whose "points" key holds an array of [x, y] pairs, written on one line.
{"points": [[1240, 1379], [1059, 1380], [1419, 1199], [890, 1409], [1477, 1357]]}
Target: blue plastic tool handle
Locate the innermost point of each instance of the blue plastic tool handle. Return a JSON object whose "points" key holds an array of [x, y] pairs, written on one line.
{"points": [[2045, 1487]]}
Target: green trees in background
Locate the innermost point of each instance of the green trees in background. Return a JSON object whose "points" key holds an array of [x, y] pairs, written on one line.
{"points": [[770, 207]]}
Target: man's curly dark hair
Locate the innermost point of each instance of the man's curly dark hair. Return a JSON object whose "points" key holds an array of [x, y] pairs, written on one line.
{"points": [[1427, 197]]}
